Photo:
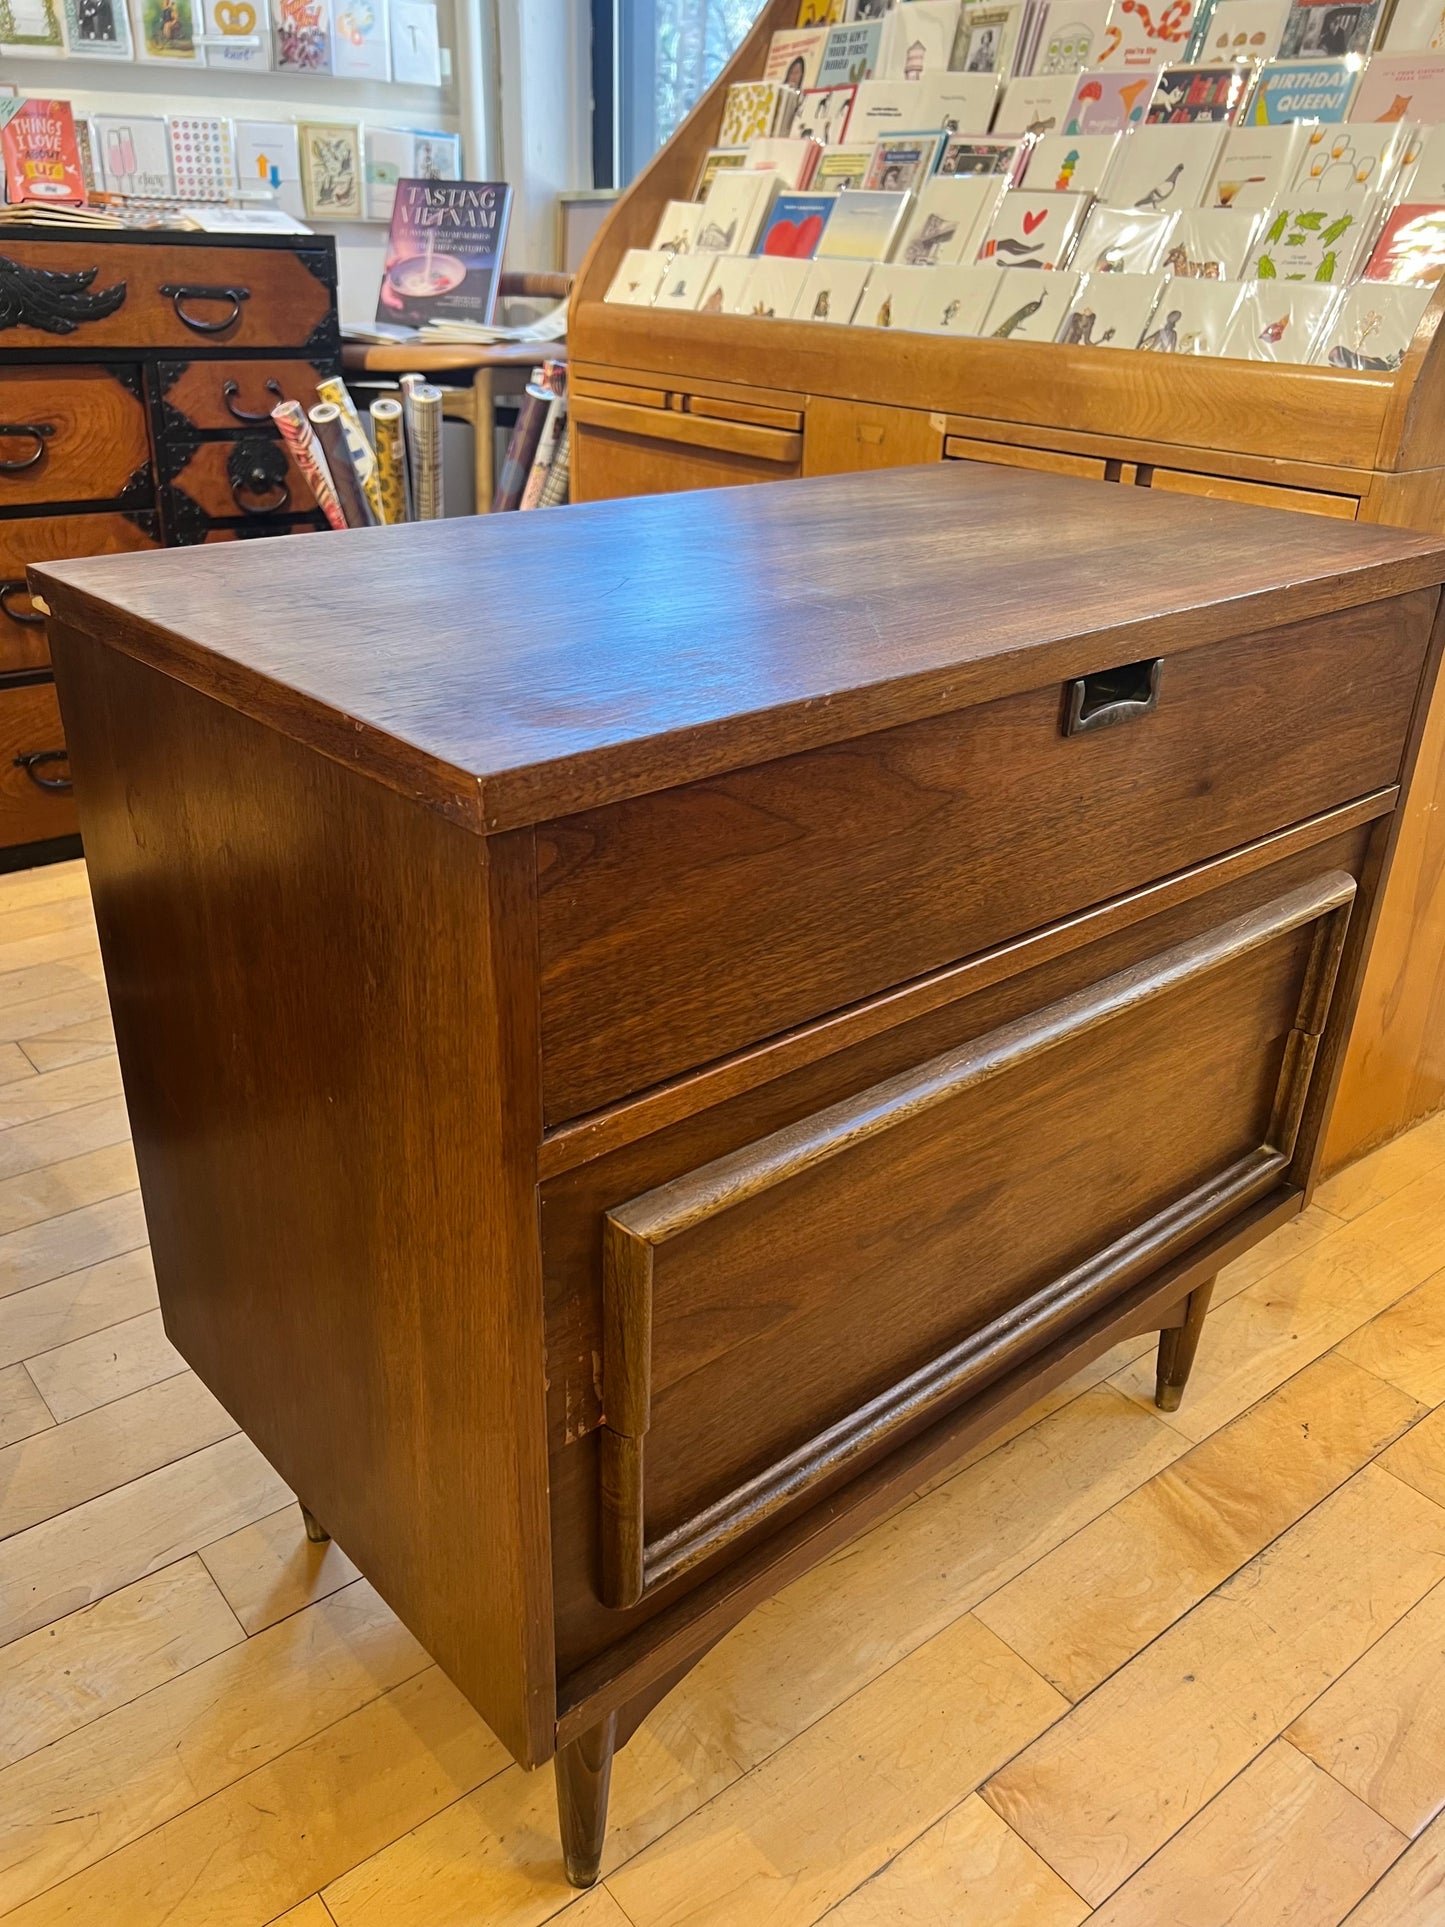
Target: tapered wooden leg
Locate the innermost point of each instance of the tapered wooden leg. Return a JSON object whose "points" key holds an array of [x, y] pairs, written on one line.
{"points": [[584, 1772], [315, 1531], [1177, 1349]]}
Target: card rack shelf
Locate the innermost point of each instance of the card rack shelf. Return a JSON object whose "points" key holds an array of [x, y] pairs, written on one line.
{"points": [[662, 400]]}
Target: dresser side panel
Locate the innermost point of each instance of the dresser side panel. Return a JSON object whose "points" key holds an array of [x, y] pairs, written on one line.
{"points": [[324, 1000]]}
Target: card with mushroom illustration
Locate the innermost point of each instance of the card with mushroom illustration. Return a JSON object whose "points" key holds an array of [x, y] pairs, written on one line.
{"points": [[1313, 241]]}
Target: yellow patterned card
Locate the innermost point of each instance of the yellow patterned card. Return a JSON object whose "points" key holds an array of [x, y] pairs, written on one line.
{"points": [[820, 13], [749, 113]]}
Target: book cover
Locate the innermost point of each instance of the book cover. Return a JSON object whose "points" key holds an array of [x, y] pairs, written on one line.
{"points": [[638, 278], [1416, 26], [166, 31], [987, 37], [1187, 95], [678, 226], [1192, 318], [733, 214], [918, 38], [824, 113], [1313, 241], [891, 296], [240, 33], [1257, 166], [1328, 29], [33, 27], [1108, 103], [772, 288], [1144, 35], [268, 160], [795, 224], [303, 36], [831, 290], [845, 166], [950, 219], [1211, 243], [1165, 167], [1354, 158], [1290, 90], [1411, 246], [40, 154], [416, 59], [793, 161], [1033, 230], [444, 251], [966, 154], [1402, 87], [1280, 321], [331, 174], [1036, 105], [795, 55], [726, 284], [902, 162], [134, 152], [1244, 30], [686, 282], [850, 54], [1112, 310], [717, 160], [751, 111], [100, 28], [864, 225], [1071, 163], [1371, 330], [1028, 306], [1071, 32], [203, 157], [955, 300], [361, 40], [1117, 240]]}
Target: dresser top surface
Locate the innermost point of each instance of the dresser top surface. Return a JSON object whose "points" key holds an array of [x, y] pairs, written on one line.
{"points": [[507, 670]]}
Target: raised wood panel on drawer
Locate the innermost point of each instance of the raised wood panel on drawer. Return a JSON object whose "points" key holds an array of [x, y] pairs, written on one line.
{"points": [[255, 474], [634, 464], [88, 441], [116, 296], [1228, 488], [1051, 461], [30, 812], [231, 395], [53, 538], [676, 928], [925, 1287]]}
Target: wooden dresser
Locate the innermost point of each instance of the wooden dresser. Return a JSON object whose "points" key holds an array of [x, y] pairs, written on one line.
{"points": [[137, 375], [648, 1031]]}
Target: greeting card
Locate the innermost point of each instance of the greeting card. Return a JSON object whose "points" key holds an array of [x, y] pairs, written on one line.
{"points": [[1028, 306], [751, 111], [416, 59], [675, 230], [1258, 165], [949, 220], [843, 166], [1164, 167], [725, 285], [1402, 87], [240, 34], [1033, 230], [361, 40], [34, 27], [1145, 34], [795, 56], [1111, 310], [331, 170], [1108, 103], [1244, 30], [686, 282], [850, 54], [865, 226], [203, 157], [1371, 330], [268, 161], [902, 162], [918, 38], [893, 294], [824, 114], [1313, 241], [1119, 240], [1328, 29], [98, 27], [1187, 95], [638, 278], [1411, 246], [1036, 105], [134, 152], [956, 301], [1416, 26], [831, 290], [1211, 243], [303, 36], [737, 204], [1072, 163], [1192, 318], [1280, 321], [793, 161], [771, 290], [1341, 159], [1070, 34], [1422, 177], [166, 30], [1289, 90], [987, 38], [965, 154], [795, 226]]}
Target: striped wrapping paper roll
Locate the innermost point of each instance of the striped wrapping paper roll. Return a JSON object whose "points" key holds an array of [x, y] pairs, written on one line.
{"points": [[426, 404], [558, 486], [386, 427], [326, 420], [532, 412], [408, 385], [363, 459], [300, 438]]}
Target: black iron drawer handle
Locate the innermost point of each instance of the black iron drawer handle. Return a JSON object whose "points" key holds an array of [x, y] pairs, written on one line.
{"points": [[1110, 696], [38, 432], [16, 586], [255, 467], [230, 391], [31, 762], [182, 292]]}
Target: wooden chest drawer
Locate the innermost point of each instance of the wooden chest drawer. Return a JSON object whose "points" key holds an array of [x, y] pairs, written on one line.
{"points": [[677, 928], [230, 395], [35, 795], [72, 435], [54, 538], [108, 294], [253, 475]]}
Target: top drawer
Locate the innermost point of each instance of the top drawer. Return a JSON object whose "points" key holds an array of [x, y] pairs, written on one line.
{"points": [[677, 928], [83, 294]]}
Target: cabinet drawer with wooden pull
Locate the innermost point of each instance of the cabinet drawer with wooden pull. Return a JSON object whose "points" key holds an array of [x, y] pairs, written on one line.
{"points": [[252, 476], [35, 789], [230, 396], [54, 538], [72, 435]]}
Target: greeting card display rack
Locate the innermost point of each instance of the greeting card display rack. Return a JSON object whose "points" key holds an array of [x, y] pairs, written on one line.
{"points": [[662, 400]]}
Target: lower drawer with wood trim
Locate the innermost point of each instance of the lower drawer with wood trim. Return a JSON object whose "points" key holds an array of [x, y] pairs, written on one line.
{"points": [[1229, 488], [232, 395], [72, 435], [254, 475], [678, 928], [35, 795], [608, 464], [751, 440], [53, 538], [1051, 461]]}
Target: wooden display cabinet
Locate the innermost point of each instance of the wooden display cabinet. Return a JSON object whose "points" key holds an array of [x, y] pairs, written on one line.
{"points": [[662, 401]]}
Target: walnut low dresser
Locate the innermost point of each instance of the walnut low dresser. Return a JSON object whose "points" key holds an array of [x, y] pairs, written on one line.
{"points": [[138, 370], [651, 1029]]}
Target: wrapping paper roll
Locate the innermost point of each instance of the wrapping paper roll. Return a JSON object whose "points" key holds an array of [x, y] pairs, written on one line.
{"points": [[546, 453], [426, 404], [300, 438], [558, 486], [408, 385], [326, 420], [390, 436], [363, 458], [521, 452]]}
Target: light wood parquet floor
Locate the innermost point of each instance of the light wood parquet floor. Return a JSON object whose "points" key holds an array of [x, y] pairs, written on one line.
{"points": [[1136, 1670]]}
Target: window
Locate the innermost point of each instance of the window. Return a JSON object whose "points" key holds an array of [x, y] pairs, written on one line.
{"points": [[653, 60]]}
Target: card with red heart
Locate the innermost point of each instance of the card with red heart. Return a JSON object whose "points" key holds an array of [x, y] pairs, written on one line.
{"points": [[795, 226], [1033, 230]]}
